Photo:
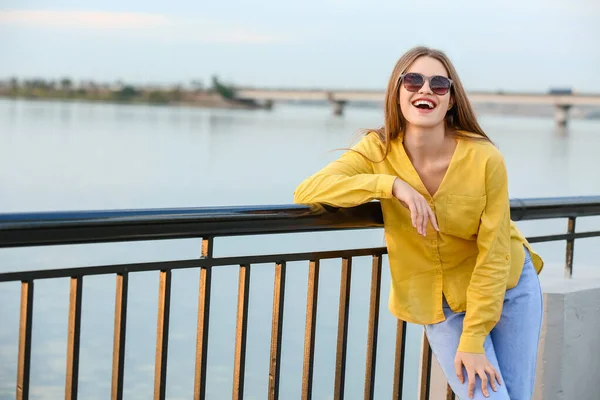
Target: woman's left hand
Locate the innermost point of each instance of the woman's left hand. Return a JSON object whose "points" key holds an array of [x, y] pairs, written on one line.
{"points": [[476, 364]]}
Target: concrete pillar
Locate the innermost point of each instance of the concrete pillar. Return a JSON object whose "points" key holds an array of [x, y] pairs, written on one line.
{"points": [[562, 114], [338, 107], [569, 357]]}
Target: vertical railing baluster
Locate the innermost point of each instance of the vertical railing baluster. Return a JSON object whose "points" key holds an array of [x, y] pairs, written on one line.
{"points": [[74, 332], [373, 328], [570, 249], [399, 359], [342, 334], [309, 333], [25, 325], [241, 330], [203, 318], [162, 335], [449, 393], [118, 365], [277, 330], [425, 375]]}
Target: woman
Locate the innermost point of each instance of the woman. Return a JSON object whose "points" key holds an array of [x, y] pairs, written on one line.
{"points": [[459, 265]]}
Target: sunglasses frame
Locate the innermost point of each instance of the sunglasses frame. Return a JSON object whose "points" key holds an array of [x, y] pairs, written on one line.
{"points": [[428, 79]]}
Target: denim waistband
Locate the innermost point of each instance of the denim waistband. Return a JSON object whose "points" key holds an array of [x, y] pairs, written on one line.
{"points": [[527, 255]]}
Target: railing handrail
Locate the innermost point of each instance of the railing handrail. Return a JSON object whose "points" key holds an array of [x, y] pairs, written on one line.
{"points": [[77, 227]]}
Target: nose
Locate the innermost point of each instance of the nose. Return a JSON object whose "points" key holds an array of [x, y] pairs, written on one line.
{"points": [[425, 89]]}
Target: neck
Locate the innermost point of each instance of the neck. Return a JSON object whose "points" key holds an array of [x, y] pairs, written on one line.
{"points": [[424, 143]]}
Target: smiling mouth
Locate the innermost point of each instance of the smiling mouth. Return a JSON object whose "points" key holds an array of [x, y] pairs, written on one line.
{"points": [[424, 104]]}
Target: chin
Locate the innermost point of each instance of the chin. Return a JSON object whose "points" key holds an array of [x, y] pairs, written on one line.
{"points": [[425, 122]]}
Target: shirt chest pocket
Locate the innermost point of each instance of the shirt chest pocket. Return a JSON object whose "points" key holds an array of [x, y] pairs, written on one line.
{"points": [[463, 214]]}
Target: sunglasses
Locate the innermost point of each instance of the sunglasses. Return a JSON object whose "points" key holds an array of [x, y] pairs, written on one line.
{"points": [[414, 81]]}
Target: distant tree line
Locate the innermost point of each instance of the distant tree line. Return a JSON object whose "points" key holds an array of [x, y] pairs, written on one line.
{"points": [[65, 88]]}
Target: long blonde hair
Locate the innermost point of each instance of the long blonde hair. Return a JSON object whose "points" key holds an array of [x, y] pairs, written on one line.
{"points": [[459, 117]]}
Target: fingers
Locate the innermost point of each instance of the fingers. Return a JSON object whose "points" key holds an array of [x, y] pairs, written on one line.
{"points": [[433, 219], [498, 378], [422, 216], [425, 217], [459, 371], [484, 382], [494, 377], [428, 214], [413, 213], [420, 213], [476, 365], [421, 227], [416, 215], [471, 377]]}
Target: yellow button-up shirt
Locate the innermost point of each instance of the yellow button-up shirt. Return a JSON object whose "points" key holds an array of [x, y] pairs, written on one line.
{"points": [[478, 252]]}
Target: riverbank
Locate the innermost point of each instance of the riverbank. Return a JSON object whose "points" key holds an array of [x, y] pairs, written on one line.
{"points": [[218, 96], [205, 100]]}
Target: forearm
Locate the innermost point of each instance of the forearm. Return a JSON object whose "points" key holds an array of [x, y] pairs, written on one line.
{"points": [[344, 191]]}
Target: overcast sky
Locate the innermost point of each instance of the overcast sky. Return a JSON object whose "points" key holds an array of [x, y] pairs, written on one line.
{"points": [[513, 45]]}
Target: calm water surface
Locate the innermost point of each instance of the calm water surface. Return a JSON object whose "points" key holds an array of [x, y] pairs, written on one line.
{"points": [[78, 156]]}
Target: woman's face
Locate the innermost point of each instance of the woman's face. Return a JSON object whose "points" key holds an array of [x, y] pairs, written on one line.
{"points": [[421, 106]]}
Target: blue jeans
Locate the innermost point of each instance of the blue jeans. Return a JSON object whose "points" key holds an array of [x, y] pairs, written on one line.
{"points": [[511, 347]]}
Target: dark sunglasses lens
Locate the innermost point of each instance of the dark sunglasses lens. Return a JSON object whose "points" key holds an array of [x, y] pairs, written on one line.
{"points": [[440, 85], [413, 82]]}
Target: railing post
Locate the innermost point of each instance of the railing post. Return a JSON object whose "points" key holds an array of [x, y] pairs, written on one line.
{"points": [[203, 319], [310, 329], [25, 325], [399, 360], [342, 335], [74, 331], [120, 328], [241, 331], [570, 249], [449, 393], [372, 329], [277, 330], [162, 334], [425, 373]]}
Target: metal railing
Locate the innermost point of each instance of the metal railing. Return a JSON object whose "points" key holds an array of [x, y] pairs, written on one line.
{"points": [[61, 228]]}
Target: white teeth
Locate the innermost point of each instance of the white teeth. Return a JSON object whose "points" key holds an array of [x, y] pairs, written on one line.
{"points": [[426, 102]]}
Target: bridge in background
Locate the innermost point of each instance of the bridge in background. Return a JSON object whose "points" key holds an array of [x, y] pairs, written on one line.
{"points": [[339, 98]]}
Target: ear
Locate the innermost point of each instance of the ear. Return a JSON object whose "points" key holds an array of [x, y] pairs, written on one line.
{"points": [[451, 102]]}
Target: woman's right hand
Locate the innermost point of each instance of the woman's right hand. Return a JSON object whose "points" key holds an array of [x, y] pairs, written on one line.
{"points": [[420, 211]]}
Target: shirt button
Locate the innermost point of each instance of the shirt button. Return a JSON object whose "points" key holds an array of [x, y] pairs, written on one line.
{"points": [[434, 242]]}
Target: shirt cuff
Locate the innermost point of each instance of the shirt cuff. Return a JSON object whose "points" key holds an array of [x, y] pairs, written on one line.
{"points": [[385, 185], [471, 344]]}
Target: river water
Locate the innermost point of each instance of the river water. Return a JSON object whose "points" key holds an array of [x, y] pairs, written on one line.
{"points": [[82, 156]]}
